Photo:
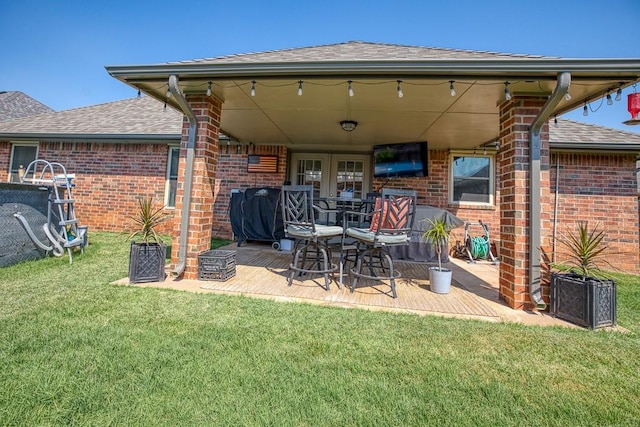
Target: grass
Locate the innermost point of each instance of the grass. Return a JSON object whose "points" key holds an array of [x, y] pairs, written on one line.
{"points": [[76, 350]]}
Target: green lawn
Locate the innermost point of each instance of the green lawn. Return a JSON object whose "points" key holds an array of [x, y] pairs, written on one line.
{"points": [[76, 350]]}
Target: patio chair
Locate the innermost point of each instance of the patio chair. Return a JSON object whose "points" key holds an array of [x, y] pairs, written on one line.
{"points": [[391, 222], [311, 252]]}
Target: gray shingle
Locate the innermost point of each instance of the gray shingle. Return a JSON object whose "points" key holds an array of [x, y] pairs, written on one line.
{"points": [[356, 51], [15, 104], [143, 116], [569, 131]]}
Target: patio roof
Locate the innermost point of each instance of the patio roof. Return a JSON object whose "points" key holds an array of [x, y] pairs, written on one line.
{"points": [[426, 111]]}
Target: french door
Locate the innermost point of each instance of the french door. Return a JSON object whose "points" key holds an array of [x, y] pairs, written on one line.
{"points": [[331, 174]]}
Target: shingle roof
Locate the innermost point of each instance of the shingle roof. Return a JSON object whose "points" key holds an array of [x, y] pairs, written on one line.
{"points": [[356, 51], [569, 131], [15, 104], [134, 116]]}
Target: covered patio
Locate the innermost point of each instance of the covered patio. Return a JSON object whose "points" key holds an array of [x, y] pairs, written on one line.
{"points": [[261, 272]]}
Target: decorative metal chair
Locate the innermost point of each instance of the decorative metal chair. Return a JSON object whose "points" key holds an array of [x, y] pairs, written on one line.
{"points": [[311, 252], [391, 222]]}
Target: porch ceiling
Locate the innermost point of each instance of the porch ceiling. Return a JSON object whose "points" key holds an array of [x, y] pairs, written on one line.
{"points": [[427, 111]]}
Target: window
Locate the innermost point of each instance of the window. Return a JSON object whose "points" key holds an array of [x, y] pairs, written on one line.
{"points": [[21, 155], [172, 176], [471, 179]]}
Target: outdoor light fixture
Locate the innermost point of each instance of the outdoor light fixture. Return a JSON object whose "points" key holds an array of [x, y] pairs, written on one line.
{"points": [[585, 110], [400, 93], [168, 94], [452, 90], [209, 89], [299, 87], [619, 94], [609, 100], [253, 88], [348, 125], [139, 94], [350, 89], [507, 94]]}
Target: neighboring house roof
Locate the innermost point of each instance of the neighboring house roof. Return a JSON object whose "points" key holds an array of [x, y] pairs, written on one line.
{"points": [[15, 104], [569, 134], [126, 120], [355, 51]]}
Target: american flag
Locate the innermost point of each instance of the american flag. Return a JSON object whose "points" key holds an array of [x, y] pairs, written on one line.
{"points": [[262, 163]]}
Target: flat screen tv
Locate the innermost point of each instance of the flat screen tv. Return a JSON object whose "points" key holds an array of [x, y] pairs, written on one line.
{"points": [[400, 160]]}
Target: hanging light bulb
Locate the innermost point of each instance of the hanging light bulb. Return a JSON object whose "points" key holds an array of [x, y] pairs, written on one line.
{"points": [[165, 105], [609, 100], [350, 88], [139, 94], [168, 94], [209, 89], [253, 88], [400, 93], [585, 110], [452, 90], [299, 87], [555, 121], [507, 93], [484, 151], [619, 94]]}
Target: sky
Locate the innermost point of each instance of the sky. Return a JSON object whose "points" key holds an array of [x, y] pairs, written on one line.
{"points": [[55, 51]]}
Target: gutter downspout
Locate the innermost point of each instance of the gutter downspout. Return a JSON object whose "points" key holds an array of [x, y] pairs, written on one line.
{"points": [[535, 293], [188, 178]]}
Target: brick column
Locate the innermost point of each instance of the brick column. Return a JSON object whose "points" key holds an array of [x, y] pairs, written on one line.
{"points": [[207, 111], [516, 116]]}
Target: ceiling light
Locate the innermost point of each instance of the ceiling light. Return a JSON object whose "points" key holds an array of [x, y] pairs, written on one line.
{"points": [[400, 93], [348, 125], [452, 89]]}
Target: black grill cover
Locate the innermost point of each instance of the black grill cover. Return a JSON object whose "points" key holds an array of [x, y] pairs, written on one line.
{"points": [[256, 215]]}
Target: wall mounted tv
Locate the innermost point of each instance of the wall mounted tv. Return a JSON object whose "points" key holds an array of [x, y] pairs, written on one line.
{"points": [[400, 160]]}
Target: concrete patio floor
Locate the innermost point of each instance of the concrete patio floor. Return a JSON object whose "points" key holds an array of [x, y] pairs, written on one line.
{"points": [[261, 272]]}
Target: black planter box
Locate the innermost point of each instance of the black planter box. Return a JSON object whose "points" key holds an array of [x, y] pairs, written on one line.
{"points": [[146, 262], [584, 301]]}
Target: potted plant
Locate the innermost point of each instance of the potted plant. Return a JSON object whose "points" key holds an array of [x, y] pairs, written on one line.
{"points": [[148, 251], [581, 292], [438, 235]]}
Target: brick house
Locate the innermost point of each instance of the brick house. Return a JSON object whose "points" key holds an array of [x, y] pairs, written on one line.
{"points": [[469, 106]]}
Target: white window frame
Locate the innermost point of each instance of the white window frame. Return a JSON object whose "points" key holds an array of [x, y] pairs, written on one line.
{"points": [[492, 178], [20, 144], [167, 186]]}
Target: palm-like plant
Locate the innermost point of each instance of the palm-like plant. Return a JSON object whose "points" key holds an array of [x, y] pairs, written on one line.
{"points": [[147, 219], [584, 250], [438, 235]]}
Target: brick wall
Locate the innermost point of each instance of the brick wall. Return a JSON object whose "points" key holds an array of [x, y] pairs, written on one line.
{"points": [[232, 174], [110, 178], [600, 189]]}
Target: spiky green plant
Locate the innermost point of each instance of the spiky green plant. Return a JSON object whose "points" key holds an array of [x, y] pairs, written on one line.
{"points": [[147, 219], [438, 235], [585, 250]]}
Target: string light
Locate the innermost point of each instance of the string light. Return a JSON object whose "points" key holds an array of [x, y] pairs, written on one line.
{"points": [[452, 90], [253, 88], [609, 100], [507, 94], [139, 94], [168, 94], [350, 88], [619, 94], [299, 87], [555, 121], [209, 89], [585, 110], [400, 93]]}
